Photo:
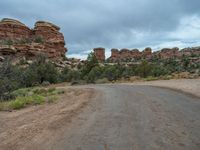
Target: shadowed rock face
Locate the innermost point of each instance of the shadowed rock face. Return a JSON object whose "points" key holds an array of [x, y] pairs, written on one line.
{"points": [[18, 40]]}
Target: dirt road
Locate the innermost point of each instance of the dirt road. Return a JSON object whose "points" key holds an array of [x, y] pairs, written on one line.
{"points": [[135, 117], [124, 117]]}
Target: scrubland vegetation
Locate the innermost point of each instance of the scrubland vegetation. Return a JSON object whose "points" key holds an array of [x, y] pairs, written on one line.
{"points": [[17, 82]]}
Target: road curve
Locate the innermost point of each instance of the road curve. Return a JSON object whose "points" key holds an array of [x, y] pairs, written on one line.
{"points": [[128, 117]]}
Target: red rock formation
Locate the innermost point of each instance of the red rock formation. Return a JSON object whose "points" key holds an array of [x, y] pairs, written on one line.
{"points": [[45, 39], [135, 53], [168, 53], [100, 54], [13, 30], [124, 54], [189, 51], [165, 53], [147, 53], [115, 53]]}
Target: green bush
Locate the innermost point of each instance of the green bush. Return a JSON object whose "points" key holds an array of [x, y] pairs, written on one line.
{"points": [[38, 99], [144, 69], [39, 40], [16, 104]]}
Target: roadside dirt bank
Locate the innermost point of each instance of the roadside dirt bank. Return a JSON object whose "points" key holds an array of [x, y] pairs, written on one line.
{"points": [[188, 86], [36, 125]]}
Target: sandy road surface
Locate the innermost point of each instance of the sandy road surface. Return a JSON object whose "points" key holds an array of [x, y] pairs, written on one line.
{"points": [[135, 117], [117, 117]]}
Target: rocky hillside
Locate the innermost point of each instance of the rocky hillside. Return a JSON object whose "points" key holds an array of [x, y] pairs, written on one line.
{"points": [[19, 41]]}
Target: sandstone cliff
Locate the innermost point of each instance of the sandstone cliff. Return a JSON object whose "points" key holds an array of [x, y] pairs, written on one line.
{"points": [[165, 53], [17, 40]]}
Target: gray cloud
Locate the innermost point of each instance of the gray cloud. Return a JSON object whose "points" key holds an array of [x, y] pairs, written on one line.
{"points": [[111, 23]]}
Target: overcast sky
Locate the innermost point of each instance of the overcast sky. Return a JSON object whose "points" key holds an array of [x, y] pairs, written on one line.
{"points": [[113, 23]]}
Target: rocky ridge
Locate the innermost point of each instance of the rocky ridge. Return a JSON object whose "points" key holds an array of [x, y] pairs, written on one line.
{"points": [[125, 54], [18, 41]]}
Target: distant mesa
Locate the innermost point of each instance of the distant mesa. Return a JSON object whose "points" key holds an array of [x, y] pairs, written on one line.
{"points": [[18, 40]]}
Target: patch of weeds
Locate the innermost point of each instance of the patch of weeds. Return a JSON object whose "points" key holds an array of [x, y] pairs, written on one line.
{"points": [[60, 91], [31, 96], [150, 78], [51, 90], [40, 91], [21, 102], [21, 92], [167, 77], [16, 104], [52, 99], [38, 99], [39, 40]]}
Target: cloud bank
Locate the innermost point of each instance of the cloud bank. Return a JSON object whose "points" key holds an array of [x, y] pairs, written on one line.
{"points": [[113, 23]]}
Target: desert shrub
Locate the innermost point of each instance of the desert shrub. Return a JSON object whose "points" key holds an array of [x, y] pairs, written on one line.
{"points": [[111, 73], [21, 92], [24, 41], [40, 71], [45, 83], [9, 79], [159, 70], [50, 90], [39, 40], [93, 75], [38, 99], [21, 102], [150, 78], [102, 81], [16, 104], [144, 69], [40, 91], [8, 42], [90, 64]]}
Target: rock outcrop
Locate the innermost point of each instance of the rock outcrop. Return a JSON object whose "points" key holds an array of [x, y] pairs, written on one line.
{"points": [[100, 54], [18, 40], [125, 55], [11, 29]]}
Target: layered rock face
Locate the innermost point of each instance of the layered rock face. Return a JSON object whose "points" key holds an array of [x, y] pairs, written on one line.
{"points": [[124, 54], [13, 29], [100, 54], [18, 40], [165, 53]]}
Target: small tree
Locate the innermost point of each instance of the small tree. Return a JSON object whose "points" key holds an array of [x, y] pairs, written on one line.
{"points": [[144, 69], [90, 64], [39, 71]]}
